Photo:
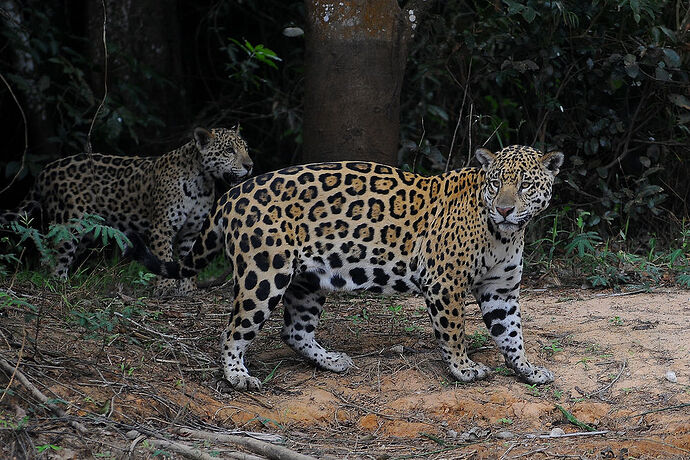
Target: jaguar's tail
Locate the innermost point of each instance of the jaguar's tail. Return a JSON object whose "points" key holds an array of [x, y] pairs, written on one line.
{"points": [[206, 246], [139, 251]]}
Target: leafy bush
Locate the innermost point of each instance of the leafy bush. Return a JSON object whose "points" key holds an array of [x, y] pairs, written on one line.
{"points": [[89, 227], [606, 82]]}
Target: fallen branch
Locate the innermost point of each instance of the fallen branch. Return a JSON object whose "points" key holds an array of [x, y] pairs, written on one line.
{"points": [[567, 435], [618, 294], [38, 395], [266, 449], [196, 454], [14, 372], [679, 406]]}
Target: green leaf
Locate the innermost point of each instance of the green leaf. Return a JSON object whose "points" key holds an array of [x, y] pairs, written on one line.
{"points": [[661, 74], [529, 14], [671, 58], [571, 418], [635, 7], [633, 70], [438, 112]]}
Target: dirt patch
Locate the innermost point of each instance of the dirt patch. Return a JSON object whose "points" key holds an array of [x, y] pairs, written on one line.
{"points": [[117, 362]]}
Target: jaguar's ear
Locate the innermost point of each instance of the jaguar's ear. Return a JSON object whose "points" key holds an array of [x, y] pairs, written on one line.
{"points": [[485, 157], [203, 137], [553, 161]]}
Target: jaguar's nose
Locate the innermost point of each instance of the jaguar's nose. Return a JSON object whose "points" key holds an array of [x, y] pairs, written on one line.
{"points": [[505, 212], [248, 167]]}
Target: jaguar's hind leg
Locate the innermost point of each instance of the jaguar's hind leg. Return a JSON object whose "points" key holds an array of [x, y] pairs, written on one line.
{"points": [[303, 303], [66, 250]]}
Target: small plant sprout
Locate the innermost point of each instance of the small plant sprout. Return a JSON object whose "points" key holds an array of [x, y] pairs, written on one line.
{"points": [[532, 389], [616, 321], [505, 421], [502, 370], [144, 278], [553, 347], [46, 447], [584, 362], [478, 339]]}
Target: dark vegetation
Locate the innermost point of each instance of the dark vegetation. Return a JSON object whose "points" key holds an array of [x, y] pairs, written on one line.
{"points": [[606, 82]]}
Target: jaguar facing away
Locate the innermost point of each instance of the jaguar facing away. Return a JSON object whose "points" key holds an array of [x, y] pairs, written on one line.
{"points": [[165, 198], [296, 233]]}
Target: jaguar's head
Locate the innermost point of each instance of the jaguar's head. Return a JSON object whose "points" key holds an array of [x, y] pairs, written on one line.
{"points": [[224, 153], [517, 184]]}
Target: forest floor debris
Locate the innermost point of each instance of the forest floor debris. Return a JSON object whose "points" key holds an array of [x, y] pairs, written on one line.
{"points": [[123, 376]]}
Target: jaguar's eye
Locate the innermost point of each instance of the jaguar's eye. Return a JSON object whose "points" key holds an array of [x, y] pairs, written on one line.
{"points": [[495, 183], [525, 186]]}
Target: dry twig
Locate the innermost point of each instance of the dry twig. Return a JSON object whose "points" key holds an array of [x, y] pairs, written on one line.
{"points": [[39, 395], [266, 449], [610, 384], [568, 435], [89, 149], [19, 360]]}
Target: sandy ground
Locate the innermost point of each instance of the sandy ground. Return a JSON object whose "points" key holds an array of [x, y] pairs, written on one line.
{"points": [[622, 365]]}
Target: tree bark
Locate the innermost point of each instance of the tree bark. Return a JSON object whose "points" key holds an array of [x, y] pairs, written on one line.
{"points": [[356, 52]]}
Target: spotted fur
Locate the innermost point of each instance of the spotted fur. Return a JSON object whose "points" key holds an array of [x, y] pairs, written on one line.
{"points": [[296, 233], [165, 198]]}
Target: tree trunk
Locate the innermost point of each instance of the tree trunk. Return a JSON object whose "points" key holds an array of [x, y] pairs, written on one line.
{"points": [[355, 60]]}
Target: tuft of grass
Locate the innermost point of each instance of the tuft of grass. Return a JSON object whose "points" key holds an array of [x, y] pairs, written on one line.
{"points": [[532, 389]]}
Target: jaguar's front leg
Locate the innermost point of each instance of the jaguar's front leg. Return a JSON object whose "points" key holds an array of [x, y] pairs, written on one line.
{"points": [[500, 308], [446, 310]]}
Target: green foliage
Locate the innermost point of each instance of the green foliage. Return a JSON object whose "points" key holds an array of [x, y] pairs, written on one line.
{"points": [[144, 278], [553, 347], [9, 300], [576, 247], [7, 421], [89, 226], [103, 322], [44, 447], [572, 419], [477, 340], [603, 81], [215, 269], [258, 52]]}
